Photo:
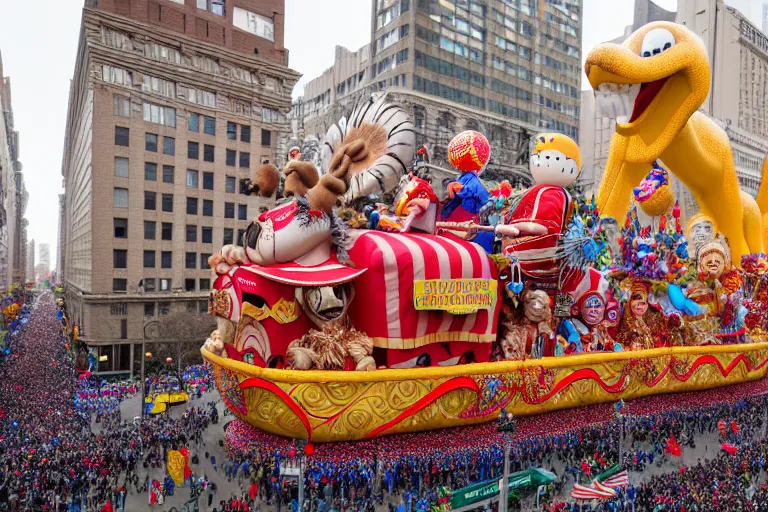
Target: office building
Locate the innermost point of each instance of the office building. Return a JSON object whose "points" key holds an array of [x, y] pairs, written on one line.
{"points": [[507, 68], [173, 104]]}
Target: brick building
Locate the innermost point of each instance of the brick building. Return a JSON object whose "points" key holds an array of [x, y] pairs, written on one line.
{"points": [[172, 104]]}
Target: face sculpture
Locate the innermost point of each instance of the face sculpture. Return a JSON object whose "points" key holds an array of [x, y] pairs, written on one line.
{"points": [[638, 304], [712, 264], [702, 231], [593, 310]]}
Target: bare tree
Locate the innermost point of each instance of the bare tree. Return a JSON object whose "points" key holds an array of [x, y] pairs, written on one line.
{"points": [[184, 333]]}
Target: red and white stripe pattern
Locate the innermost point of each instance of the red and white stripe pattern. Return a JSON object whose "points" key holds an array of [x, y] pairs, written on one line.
{"points": [[383, 304], [617, 481], [595, 491]]}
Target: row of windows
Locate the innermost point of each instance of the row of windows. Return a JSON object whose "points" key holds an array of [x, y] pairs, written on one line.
{"points": [[167, 116], [449, 69], [510, 68], [391, 14], [120, 259], [435, 39], [190, 232], [553, 85], [520, 26], [122, 138], [392, 37], [121, 308], [509, 111], [168, 175], [389, 62], [510, 46], [148, 284], [449, 93]]}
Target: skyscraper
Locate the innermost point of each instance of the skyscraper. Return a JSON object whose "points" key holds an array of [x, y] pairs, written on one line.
{"points": [[507, 68], [173, 103]]}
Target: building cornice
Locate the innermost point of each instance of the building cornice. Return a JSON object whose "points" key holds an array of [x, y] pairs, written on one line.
{"points": [[187, 45]]}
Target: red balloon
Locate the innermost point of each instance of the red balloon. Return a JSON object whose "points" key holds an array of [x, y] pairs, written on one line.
{"points": [[309, 449], [292, 453], [469, 151]]}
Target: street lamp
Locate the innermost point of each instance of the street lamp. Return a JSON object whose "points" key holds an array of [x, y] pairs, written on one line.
{"points": [[618, 412], [144, 356], [301, 445], [507, 425]]}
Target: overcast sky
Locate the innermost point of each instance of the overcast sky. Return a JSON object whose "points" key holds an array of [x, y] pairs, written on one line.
{"points": [[39, 43]]}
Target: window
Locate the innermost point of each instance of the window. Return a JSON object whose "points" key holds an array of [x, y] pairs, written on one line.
{"points": [[204, 260], [167, 202], [193, 150], [245, 159], [121, 167], [122, 106], [117, 76], [208, 153], [119, 285], [165, 307], [229, 235], [190, 260], [201, 96], [209, 125], [168, 172], [215, 6], [207, 208], [149, 284], [245, 133], [231, 157], [149, 259], [205, 284], [166, 259], [121, 136], [169, 146], [121, 198], [194, 123], [123, 328], [150, 200], [159, 86], [208, 180], [160, 115], [120, 227], [266, 137], [206, 234], [229, 210], [189, 285], [191, 233], [150, 142], [120, 258], [240, 235], [242, 211], [191, 178], [165, 284], [231, 131], [191, 206], [150, 171], [254, 23], [149, 307], [167, 231], [150, 229], [230, 184]]}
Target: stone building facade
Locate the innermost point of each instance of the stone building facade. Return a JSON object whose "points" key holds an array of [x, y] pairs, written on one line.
{"points": [[172, 105]]}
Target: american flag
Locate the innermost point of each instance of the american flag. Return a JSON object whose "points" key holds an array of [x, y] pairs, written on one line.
{"points": [[594, 491], [383, 305], [617, 481]]}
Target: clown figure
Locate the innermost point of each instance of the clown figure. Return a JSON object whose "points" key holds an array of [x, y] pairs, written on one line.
{"points": [[542, 214], [595, 316]]}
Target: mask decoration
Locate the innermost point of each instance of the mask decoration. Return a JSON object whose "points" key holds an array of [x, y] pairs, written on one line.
{"points": [[700, 229], [713, 258]]}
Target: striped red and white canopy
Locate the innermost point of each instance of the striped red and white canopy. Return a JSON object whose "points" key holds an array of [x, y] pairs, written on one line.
{"points": [[383, 307]]}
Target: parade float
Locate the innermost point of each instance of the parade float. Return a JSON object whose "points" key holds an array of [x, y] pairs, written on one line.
{"points": [[362, 306]]}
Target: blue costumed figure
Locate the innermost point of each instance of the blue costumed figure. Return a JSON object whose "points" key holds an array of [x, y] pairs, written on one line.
{"points": [[468, 152]]}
